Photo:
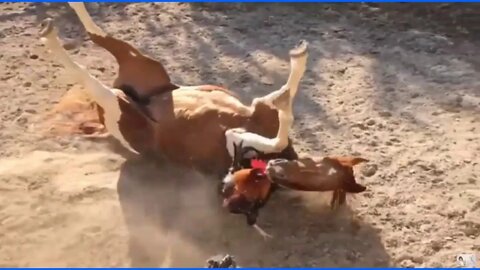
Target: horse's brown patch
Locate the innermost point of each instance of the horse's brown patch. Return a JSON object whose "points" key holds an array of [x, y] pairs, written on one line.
{"points": [[136, 128], [145, 75]]}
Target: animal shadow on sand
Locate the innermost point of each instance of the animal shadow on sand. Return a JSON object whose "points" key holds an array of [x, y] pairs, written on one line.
{"points": [[165, 203]]}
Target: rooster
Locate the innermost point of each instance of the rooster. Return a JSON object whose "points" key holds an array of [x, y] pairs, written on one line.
{"points": [[247, 189]]}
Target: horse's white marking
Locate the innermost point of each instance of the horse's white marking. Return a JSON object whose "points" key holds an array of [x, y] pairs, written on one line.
{"points": [[285, 115], [104, 96], [260, 143], [85, 18]]}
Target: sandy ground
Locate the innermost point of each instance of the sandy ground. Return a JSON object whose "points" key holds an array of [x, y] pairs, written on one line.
{"points": [[397, 84]]}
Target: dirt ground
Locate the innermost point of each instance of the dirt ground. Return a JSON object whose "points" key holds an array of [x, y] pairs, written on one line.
{"points": [[397, 84]]}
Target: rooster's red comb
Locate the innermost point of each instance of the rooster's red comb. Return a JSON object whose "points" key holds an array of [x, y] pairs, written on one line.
{"points": [[258, 164]]}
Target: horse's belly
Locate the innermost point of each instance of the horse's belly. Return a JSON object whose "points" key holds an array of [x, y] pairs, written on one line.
{"points": [[196, 142]]}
